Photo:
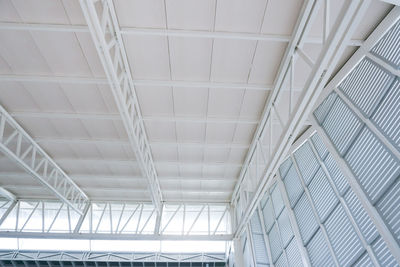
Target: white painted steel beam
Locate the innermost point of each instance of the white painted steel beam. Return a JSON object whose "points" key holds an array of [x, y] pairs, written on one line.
{"points": [[345, 25], [103, 26], [164, 32], [17, 145], [7, 194]]}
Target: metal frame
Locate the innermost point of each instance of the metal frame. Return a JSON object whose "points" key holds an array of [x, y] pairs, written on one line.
{"points": [[164, 32], [103, 25], [92, 256], [372, 212], [17, 145], [345, 25], [115, 221]]}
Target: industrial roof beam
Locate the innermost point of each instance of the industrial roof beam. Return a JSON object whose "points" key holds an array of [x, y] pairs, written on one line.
{"points": [[101, 19], [164, 32], [17, 145], [345, 25]]}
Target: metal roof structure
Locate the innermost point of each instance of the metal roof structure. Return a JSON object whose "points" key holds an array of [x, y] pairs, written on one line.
{"points": [[182, 120]]}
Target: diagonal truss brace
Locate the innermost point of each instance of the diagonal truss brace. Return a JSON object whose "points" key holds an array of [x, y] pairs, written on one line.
{"points": [[106, 34], [17, 145]]}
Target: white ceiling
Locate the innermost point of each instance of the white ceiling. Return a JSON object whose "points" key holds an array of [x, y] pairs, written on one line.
{"points": [[199, 136]]}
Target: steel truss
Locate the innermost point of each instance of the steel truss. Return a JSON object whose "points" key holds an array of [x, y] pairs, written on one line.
{"points": [[17, 145], [103, 25], [121, 257], [115, 221], [260, 166]]}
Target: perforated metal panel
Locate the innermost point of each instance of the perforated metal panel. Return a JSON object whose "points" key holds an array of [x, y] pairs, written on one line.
{"points": [[388, 48], [293, 186], [365, 223], [372, 163], [339, 118], [343, 237], [364, 261], [308, 164], [285, 228], [389, 207], [305, 218], [336, 174], [366, 85], [323, 196], [283, 169], [293, 254], [322, 110], [268, 214], [383, 254], [259, 245], [275, 242], [277, 200], [319, 146], [319, 251], [281, 262], [387, 115]]}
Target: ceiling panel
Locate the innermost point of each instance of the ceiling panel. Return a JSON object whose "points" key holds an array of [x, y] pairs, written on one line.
{"points": [[191, 102], [155, 100], [190, 132], [139, 13], [225, 103]]}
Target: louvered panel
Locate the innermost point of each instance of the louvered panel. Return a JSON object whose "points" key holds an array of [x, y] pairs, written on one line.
{"points": [[246, 252], [319, 251], [293, 186], [341, 125], [388, 48], [344, 240], [256, 224], [305, 218], [281, 262], [322, 194], [285, 166], [277, 200], [387, 116], [275, 243], [364, 261], [366, 85], [308, 164], [383, 254], [389, 207], [322, 110], [293, 254], [336, 174], [285, 228], [260, 249], [375, 167], [365, 223], [319, 145], [268, 215]]}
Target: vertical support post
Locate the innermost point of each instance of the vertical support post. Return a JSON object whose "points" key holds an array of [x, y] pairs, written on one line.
{"points": [[8, 211], [82, 218]]}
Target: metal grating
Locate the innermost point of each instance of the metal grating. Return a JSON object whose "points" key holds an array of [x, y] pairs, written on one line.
{"points": [[388, 48], [275, 242], [285, 166], [339, 118], [293, 186], [383, 254], [305, 218], [366, 85], [322, 194], [319, 251], [364, 261], [277, 200], [322, 110], [293, 254], [336, 174], [285, 228], [344, 240], [281, 262], [319, 146], [258, 241], [365, 223], [389, 207], [387, 115], [373, 164], [268, 215], [308, 164]]}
